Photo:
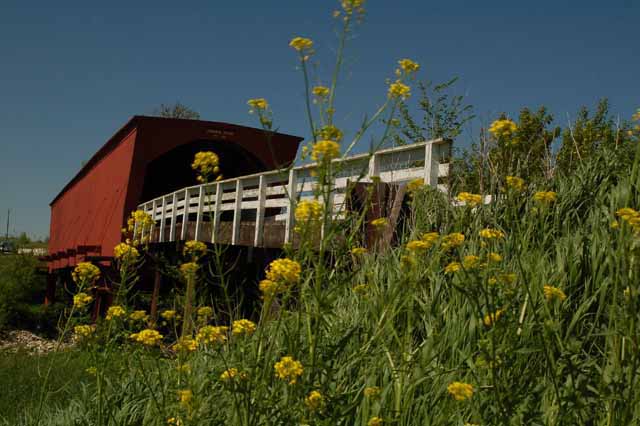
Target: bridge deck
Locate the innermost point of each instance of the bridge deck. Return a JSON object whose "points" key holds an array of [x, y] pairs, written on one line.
{"points": [[258, 210]]}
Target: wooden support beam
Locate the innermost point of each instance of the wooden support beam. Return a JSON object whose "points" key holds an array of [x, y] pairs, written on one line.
{"points": [[387, 236], [262, 196]]}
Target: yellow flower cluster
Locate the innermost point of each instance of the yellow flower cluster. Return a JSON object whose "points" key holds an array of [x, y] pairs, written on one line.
{"points": [[147, 337], [204, 312], [490, 233], [185, 396], [371, 391], [284, 271], [553, 293], [460, 391], [125, 252], [189, 270], [379, 223], [375, 421], [452, 240], [308, 212], [491, 319], [358, 251], [321, 91], [81, 331], [471, 261], [243, 326], [415, 185], [494, 257], [502, 128], [115, 312], [314, 401], [212, 334], [351, 6], [231, 374], [303, 45], [418, 245], [399, 90], [185, 344], [545, 197], [430, 237], [194, 249], [207, 164], [630, 216], [174, 421], [168, 314], [138, 316], [258, 104], [81, 300], [330, 132], [407, 68], [515, 183], [469, 199], [325, 150], [140, 219], [288, 369], [85, 273], [452, 268], [270, 288]]}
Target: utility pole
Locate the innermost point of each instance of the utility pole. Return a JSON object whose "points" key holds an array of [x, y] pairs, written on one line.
{"points": [[8, 216]]}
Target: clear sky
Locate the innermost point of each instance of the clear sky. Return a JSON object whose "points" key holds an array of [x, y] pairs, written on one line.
{"points": [[72, 72]]}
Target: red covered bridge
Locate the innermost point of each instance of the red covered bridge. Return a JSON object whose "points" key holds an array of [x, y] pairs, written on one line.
{"points": [[148, 157]]}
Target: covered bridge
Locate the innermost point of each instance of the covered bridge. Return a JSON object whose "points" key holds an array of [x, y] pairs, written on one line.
{"points": [[148, 157]]}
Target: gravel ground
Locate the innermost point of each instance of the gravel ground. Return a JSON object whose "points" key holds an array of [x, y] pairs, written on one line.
{"points": [[21, 340]]}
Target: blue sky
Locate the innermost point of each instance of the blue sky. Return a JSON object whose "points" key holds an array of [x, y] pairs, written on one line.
{"points": [[72, 72]]}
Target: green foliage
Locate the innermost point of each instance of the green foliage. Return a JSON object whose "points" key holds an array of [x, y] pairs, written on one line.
{"points": [[21, 287], [176, 110]]}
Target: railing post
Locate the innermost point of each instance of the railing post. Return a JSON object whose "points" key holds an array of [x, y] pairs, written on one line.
{"points": [[154, 207], [291, 209], [199, 214], [216, 213], [185, 214], [374, 166], [431, 164], [237, 214], [174, 215], [258, 236], [163, 213]]}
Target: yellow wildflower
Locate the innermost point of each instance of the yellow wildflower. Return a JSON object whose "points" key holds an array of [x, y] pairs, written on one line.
{"points": [[547, 197], [139, 220], [375, 421], [330, 133], [115, 312], [194, 249], [81, 331], [288, 369], [302, 45], [460, 391], [92, 371], [469, 199], [351, 6], [452, 240], [515, 183], [501, 129], [325, 150], [471, 261], [430, 237], [206, 163], [81, 300], [185, 396], [189, 270], [408, 262], [371, 391], [147, 337], [358, 251], [321, 91], [314, 400], [185, 344], [212, 334], [494, 257], [399, 90], [204, 312], [174, 421], [243, 326], [231, 374], [415, 185], [168, 314], [285, 271], [452, 268], [490, 233], [125, 252], [258, 104], [553, 293], [408, 66], [379, 223], [418, 245], [270, 288], [491, 319], [138, 316], [85, 273], [308, 211]]}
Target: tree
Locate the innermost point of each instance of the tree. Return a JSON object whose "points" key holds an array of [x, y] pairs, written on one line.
{"points": [[176, 111]]}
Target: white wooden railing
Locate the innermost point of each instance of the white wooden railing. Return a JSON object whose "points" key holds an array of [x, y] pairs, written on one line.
{"points": [[281, 190]]}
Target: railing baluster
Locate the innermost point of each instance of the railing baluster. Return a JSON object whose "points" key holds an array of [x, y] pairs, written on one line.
{"points": [[199, 214], [291, 209], [258, 237], [216, 214], [174, 215], [185, 215], [237, 214], [374, 166], [163, 213], [430, 164]]}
